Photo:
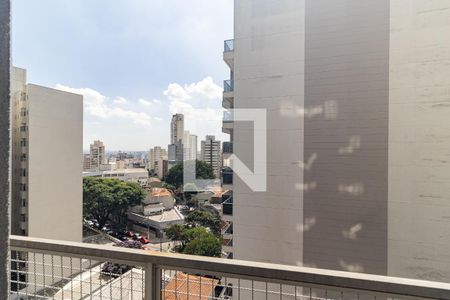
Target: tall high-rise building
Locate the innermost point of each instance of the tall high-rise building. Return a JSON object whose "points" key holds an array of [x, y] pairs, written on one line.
{"points": [[176, 128], [155, 155], [47, 125], [189, 146], [356, 94], [211, 154], [97, 155], [176, 138]]}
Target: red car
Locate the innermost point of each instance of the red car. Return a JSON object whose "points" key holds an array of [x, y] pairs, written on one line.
{"points": [[144, 240]]}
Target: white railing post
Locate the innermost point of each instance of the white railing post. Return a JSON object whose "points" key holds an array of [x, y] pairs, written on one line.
{"points": [[152, 288]]}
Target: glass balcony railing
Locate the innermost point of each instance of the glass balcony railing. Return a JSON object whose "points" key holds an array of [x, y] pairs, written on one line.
{"points": [[45, 269], [228, 116], [228, 85], [228, 45], [227, 147]]}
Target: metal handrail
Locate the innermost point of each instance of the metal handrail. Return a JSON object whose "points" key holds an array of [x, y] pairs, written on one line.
{"points": [[308, 277]]}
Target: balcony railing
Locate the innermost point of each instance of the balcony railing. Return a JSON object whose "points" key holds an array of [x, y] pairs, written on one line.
{"points": [[228, 45], [228, 85], [228, 116], [45, 269], [227, 147]]}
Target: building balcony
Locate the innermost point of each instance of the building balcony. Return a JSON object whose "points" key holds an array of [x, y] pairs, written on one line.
{"points": [[227, 150], [46, 269], [228, 94], [228, 53], [228, 123]]}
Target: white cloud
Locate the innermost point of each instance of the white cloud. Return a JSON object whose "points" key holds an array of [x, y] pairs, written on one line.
{"points": [[97, 105], [199, 114], [120, 100], [176, 92], [148, 103], [145, 102], [205, 89]]}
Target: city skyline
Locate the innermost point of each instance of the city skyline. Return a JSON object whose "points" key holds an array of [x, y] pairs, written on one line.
{"points": [[169, 68]]}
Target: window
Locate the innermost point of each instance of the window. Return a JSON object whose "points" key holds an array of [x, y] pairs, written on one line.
{"points": [[23, 142], [23, 172], [24, 202], [23, 128], [23, 217], [23, 187], [23, 112], [23, 157]]}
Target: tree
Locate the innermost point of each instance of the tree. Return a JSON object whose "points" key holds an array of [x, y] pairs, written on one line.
{"points": [[195, 241], [103, 198], [175, 175], [175, 232], [204, 219], [199, 241]]}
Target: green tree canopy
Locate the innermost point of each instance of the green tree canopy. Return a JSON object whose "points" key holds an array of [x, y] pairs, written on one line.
{"points": [[195, 241], [199, 241], [175, 175], [104, 197], [204, 219]]}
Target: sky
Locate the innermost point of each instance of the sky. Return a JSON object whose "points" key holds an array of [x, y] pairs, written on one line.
{"points": [[136, 62]]}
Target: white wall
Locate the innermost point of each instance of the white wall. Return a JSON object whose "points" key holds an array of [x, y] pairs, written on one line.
{"points": [[419, 140], [269, 73], [55, 164]]}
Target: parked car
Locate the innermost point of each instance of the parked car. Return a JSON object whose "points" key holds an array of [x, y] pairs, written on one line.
{"points": [[136, 236], [144, 240], [114, 270], [129, 233]]}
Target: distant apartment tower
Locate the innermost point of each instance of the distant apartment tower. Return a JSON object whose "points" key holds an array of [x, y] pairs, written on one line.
{"points": [[176, 128], [356, 94], [161, 168], [189, 146], [86, 162], [175, 148], [154, 155], [97, 155], [46, 123], [211, 154]]}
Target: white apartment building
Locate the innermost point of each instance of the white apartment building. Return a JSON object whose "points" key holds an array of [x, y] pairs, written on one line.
{"points": [[211, 154], [154, 155], [128, 175], [97, 155], [47, 125], [189, 146], [357, 104]]}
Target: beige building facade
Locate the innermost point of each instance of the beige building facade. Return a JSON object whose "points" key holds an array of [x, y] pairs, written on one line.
{"points": [[47, 125], [356, 94]]}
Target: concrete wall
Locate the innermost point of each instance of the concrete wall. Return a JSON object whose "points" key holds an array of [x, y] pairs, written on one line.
{"points": [[4, 146], [269, 73], [55, 164], [346, 135], [357, 93], [419, 140]]}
